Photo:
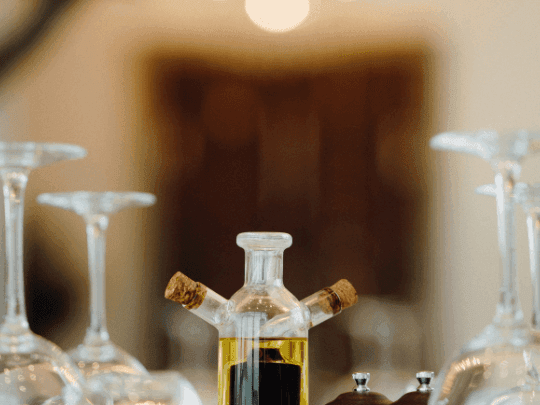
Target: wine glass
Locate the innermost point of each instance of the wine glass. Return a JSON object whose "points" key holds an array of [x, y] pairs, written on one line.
{"points": [[105, 365], [528, 196], [528, 392], [34, 370], [492, 361]]}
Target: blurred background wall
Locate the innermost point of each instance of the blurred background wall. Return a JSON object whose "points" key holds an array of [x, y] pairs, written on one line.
{"points": [[320, 132]]}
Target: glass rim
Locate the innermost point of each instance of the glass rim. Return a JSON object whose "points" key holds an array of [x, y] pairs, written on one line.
{"points": [[264, 240]]}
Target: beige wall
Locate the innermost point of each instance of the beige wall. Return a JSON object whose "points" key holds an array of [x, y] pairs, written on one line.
{"points": [[81, 87], [489, 83]]}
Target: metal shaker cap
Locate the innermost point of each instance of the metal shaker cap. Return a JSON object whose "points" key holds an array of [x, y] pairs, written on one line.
{"points": [[424, 378], [361, 394], [422, 393], [361, 380]]}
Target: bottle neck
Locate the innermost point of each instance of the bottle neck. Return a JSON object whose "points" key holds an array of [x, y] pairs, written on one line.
{"points": [[264, 267]]}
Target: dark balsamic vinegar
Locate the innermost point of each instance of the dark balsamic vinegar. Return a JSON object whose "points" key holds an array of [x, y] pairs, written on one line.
{"points": [[278, 383], [263, 372]]}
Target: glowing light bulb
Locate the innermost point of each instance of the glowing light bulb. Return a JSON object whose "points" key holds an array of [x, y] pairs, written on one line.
{"points": [[277, 15]]}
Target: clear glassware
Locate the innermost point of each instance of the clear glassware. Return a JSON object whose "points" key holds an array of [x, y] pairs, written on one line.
{"points": [[492, 361], [261, 361], [528, 196], [528, 392], [34, 370], [105, 365]]}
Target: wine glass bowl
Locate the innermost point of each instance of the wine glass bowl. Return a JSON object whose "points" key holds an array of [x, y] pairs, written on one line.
{"points": [[32, 155], [37, 375], [489, 145], [86, 203]]}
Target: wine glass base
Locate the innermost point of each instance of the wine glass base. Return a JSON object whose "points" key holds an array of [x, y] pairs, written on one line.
{"points": [[32, 155]]}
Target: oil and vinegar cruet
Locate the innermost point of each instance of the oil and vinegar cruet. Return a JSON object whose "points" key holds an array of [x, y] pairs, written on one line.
{"points": [[263, 328]]}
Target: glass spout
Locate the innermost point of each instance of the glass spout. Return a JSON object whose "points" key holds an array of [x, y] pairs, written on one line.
{"points": [[319, 307], [264, 256], [198, 298]]}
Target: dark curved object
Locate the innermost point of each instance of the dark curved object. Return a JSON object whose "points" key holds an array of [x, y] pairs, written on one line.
{"points": [[361, 398], [413, 398], [361, 395], [23, 42], [422, 393]]}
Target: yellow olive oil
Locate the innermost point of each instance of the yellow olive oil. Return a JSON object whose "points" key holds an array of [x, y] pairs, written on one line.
{"points": [[265, 371]]}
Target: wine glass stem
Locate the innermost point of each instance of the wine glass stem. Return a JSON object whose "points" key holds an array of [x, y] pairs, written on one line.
{"points": [[14, 186], [96, 226], [533, 228], [509, 308]]}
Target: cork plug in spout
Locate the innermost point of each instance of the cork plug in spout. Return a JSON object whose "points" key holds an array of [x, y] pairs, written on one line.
{"points": [[212, 307], [319, 307], [198, 298]]}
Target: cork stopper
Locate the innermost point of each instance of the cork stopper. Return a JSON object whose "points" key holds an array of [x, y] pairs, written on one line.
{"points": [[336, 298], [346, 293], [185, 291]]}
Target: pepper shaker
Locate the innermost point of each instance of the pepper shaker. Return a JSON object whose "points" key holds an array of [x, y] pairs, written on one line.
{"points": [[361, 395], [422, 393]]}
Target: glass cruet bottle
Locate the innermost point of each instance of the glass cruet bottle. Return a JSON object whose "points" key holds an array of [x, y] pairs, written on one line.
{"points": [[259, 362]]}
